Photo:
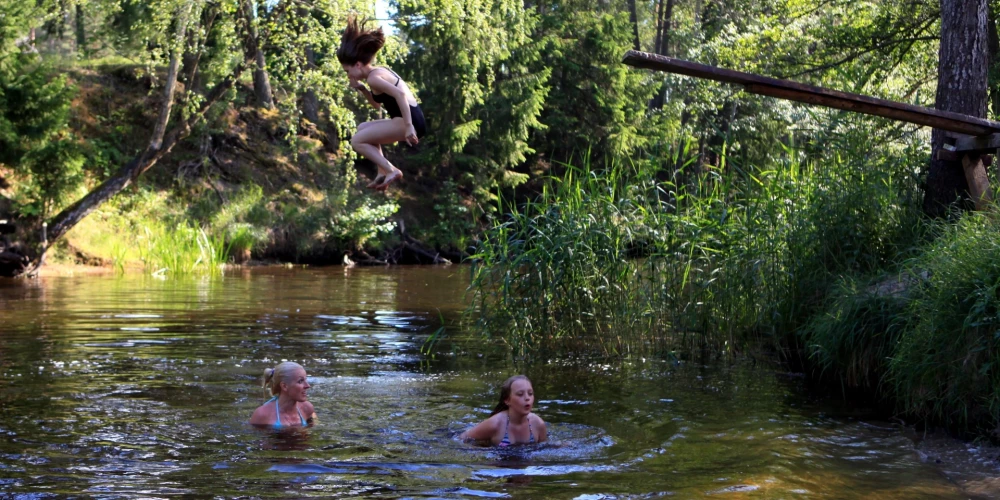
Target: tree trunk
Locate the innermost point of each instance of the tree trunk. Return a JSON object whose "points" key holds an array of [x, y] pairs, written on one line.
{"points": [[962, 88], [261, 81], [189, 69], [659, 26], [994, 57], [310, 102], [192, 58], [168, 90], [81, 35], [663, 28], [633, 17], [667, 32]]}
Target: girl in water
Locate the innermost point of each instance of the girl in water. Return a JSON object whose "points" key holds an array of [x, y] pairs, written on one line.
{"points": [[358, 47], [512, 421], [288, 407]]}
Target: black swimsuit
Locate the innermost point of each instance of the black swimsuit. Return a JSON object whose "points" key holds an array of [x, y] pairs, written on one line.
{"points": [[389, 103]]}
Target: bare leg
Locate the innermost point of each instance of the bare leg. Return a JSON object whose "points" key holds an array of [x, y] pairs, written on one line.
{"points": [[380, 175], [368, 143]]}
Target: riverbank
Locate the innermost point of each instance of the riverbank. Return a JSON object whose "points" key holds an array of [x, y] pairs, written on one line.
{"points": [[248, 184]]}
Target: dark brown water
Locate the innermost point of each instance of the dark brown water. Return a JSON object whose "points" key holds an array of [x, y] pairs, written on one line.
{"points": [[140, 387]]}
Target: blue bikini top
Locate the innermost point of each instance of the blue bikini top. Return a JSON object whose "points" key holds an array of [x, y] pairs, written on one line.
{"points": [[277, 414]]}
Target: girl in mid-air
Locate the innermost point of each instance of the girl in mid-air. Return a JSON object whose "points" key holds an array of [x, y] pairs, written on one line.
{"points": [[358, 47], [512, 421]]}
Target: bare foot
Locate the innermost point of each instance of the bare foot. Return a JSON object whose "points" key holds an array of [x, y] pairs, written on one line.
{"points": [[375, 182], [394, 176]]}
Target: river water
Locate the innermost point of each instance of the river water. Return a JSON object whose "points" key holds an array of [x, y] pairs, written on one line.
{"points": [[134, 386]]}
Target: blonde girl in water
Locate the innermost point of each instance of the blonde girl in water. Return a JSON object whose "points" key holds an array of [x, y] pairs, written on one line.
{"points": [[511, 421], [385, 89], [289, 407]]}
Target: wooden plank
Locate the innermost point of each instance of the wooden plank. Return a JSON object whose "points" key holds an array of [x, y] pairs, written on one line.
{"points": [[794, 91], [985, 143]]}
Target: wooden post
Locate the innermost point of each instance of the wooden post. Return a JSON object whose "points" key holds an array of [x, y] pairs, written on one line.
{"points": [[979, 182]]}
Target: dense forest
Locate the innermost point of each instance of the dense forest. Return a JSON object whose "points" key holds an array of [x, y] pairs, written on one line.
{"points": [[609, 209]]}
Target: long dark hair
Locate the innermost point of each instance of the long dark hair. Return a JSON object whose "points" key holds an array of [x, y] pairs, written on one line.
{"points": [[359, 43], [505, 393]]}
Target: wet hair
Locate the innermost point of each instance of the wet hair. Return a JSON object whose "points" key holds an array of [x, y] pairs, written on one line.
{"points": [[359, 44], [273, 377], [505, 393]]}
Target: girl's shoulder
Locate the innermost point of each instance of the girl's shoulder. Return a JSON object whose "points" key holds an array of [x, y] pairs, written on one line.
{"points": [[307, 409], [535, 419], [380, 72], [261, 416], [495, 419]]}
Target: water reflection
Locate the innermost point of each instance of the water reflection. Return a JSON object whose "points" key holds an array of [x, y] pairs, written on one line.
{"points": [[140, 387]]}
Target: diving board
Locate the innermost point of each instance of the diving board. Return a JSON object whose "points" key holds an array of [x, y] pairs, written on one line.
{"points": [[982, 129]]}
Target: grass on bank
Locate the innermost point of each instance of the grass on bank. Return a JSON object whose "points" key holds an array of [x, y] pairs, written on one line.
{"points": [[158, 232], [645, 256]]}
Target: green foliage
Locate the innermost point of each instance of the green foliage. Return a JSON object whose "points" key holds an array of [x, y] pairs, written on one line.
{"points": [[243, 221], [737, 256], [944, 367], [299, 41], [926, 335], [456, 222], [244, 237], [555, 271], [56, 169], [341, 219], [355, 228], [35, 138], [852, 341], [475, 65], [144, 228], [180, 249], [596, 103]]}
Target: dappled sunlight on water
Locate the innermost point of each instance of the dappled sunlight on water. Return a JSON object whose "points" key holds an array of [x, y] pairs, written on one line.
{"points": [[135, 386]]}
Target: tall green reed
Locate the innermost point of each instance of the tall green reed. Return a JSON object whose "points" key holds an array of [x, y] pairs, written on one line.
{"points": [[181, 249], [649, 257], [946, 366]]}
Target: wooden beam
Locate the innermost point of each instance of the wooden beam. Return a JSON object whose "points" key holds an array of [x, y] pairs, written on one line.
{"points": [[985, 143], [794, 91]]}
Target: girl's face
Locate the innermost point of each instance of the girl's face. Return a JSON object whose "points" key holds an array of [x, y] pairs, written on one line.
{"points": [[354, 71], [521, 397], [297, 386]]}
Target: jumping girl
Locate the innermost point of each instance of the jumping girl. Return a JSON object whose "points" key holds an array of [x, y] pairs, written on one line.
{"points": [[358, 47]]}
